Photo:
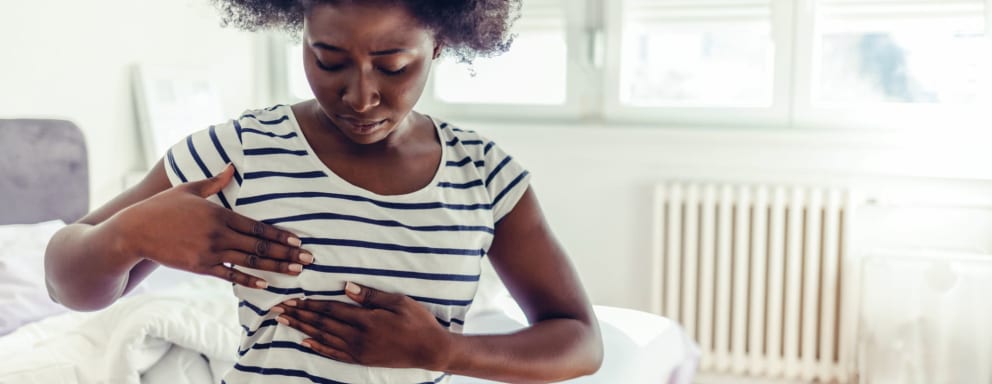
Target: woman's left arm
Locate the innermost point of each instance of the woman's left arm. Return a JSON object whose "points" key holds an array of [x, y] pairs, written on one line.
{"points": [[563, 340], [392, 330]]}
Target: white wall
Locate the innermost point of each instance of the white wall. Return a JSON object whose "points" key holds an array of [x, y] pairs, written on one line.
{"points": [[595, 184], [72, 60]]}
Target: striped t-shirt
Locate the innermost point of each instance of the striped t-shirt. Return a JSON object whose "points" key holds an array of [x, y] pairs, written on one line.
{"points": [[427, 244]]}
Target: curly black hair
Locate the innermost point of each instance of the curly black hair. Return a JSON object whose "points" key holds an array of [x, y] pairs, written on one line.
{"points": [[466, 28]]}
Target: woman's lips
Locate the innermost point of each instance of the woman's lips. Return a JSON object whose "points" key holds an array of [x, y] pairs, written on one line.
{"points": [[361, 125]]}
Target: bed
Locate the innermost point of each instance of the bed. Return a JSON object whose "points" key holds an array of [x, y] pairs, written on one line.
{"points": [[181, 328]]}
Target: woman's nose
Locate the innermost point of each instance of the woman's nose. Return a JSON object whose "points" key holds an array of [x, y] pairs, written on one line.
{"points": [[361, 94]]}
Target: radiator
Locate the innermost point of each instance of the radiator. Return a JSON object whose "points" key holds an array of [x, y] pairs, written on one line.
{"points": [[757, 274]]}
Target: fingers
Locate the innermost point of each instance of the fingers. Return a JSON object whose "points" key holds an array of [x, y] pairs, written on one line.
{"points": [[342, 312], [265, 248], [261, 230], [209, 187], [237, 277], [325, 323], [253, 261], [325, 336], [330, 352], [373, 298]]}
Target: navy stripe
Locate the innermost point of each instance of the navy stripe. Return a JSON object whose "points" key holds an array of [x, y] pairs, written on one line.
{"points": [[274, 107], [249, 115], [488, 147], [444, 125], [296, 291], [512, 184], [442, 301], [269, 134], [302, 374], [459, 163], [393, 247], [279, 344], [223, 154], [384, 223], [266, 323], [452, 142], [392, 273], [472, 142], [285, 372], [462, 130], [292, 175], [457, 321], [274, 122], [273, 151], [496, 170], [238, 129], [257, 310], [175, 169], [444, 184], [384, 204], [307, 293], [463, 162], [203, 168]]}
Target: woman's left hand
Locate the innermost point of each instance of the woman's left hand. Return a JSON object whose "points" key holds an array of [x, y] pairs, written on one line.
{"points": [[387, 330]]}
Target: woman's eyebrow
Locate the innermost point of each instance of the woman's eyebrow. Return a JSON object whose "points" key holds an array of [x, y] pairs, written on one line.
{"points": [[384, 52]]}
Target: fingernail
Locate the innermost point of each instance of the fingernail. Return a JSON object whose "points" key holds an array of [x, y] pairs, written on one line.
{"points": [[289, 303], [306, 257], [261, 284], [352, 288], [305, 344], [296, 267], [282, 320], [294, 241], [277, 310]]}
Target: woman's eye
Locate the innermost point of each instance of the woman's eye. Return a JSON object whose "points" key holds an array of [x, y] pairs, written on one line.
{"points": [[393, 72], [329, 68]]}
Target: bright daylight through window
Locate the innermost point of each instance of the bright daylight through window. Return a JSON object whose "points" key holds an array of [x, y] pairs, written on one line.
{"points": [[771, 61]]}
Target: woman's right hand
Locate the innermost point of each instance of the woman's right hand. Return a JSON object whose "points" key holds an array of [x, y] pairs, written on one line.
{"points": [[179, 228]]}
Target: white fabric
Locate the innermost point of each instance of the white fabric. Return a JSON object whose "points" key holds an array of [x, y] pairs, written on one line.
{"points": [[119, 344], [638, 347], [187, 335], [23, 296]]}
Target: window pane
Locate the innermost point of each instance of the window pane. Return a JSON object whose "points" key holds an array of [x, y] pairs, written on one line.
{"points": [[532, 72], [697, 53], [904, 52]]}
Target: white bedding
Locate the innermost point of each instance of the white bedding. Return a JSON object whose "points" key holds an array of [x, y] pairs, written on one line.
{"points": [[188, 334]]}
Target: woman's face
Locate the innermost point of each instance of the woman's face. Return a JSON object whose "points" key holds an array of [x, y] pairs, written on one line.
{"points": [[367, 66]]}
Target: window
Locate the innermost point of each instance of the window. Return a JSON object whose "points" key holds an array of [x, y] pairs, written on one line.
{"points": [[540, 33], [696, 53], [779, 63], [901, 52]]}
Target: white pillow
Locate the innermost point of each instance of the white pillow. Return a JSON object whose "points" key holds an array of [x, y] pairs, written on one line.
{"points": [[23, 296]]}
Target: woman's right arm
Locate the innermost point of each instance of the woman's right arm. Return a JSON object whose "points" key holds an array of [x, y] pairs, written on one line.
{"points": [[93, 262]]}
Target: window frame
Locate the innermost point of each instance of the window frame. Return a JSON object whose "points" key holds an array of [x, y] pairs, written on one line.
{"points": [[593, 32], [575, 13]]}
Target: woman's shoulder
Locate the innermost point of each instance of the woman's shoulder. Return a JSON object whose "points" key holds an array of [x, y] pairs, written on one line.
{"points": [[463, 138]]}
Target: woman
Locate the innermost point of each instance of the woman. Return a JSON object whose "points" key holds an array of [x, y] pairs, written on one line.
{"points": [[352, 226]]}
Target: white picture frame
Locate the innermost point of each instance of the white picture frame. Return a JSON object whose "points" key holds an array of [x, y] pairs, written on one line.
{"points": [[172, 103]]}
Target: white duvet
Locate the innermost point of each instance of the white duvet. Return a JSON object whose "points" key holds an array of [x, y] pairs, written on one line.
{"points": [[191, 330], [188, 334]]}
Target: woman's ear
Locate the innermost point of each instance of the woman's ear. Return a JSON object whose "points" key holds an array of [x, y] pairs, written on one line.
{"points": [[437, 50]]}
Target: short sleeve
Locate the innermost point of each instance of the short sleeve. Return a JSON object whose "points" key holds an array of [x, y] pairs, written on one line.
{"points": [[506, 179], [203, 154]]}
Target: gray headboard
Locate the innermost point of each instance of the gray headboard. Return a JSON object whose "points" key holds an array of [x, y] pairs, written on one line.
{"points": [[43, 171]]}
